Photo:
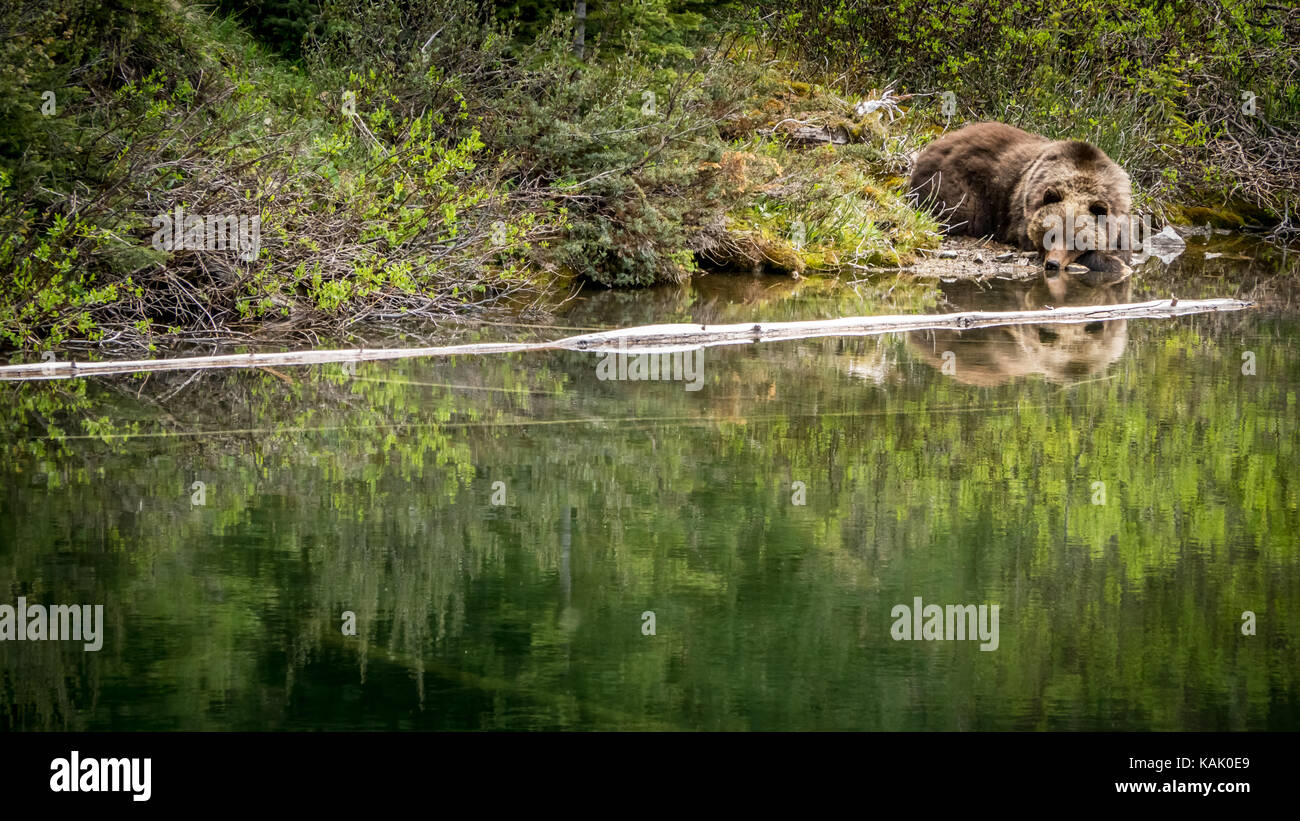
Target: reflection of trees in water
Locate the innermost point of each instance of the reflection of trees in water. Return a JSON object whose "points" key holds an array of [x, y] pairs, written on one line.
{"points": [[1062, 353], [720, 299], [227, 616]]}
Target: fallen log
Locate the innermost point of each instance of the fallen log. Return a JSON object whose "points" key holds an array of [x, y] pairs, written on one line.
{"points": [[645, 339], [817, 134]]}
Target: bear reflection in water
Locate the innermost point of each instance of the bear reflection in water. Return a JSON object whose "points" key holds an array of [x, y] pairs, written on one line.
{"points": [[1061, 353]]}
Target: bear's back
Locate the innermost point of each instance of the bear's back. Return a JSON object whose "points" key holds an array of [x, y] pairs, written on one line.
{"points": [[966, 177]]}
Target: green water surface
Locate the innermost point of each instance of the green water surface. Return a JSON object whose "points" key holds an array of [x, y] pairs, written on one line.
{"points": [[1123, 492]]}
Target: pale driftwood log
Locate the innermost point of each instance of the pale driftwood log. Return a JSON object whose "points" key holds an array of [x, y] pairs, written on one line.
{"points": [[646, 338], [802, 132], [818, 134]]}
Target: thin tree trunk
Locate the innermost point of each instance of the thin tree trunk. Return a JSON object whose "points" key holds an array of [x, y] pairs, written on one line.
{"points": [[579, 27]]}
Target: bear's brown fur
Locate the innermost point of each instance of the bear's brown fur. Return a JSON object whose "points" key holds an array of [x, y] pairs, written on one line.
{"points": [[1064, 353], [992, 179]]}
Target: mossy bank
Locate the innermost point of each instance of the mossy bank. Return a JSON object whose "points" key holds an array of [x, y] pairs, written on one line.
{"points": [[442, 159]]}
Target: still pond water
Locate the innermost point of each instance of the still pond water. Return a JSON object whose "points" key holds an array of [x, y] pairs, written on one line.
{"points": [[521, 544]]}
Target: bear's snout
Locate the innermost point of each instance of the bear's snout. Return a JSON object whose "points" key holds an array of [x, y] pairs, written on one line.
{"points": [[1058, 258], [1066, 235]]}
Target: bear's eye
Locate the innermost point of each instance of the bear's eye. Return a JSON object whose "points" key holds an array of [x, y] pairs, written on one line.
{"points": [[1051, 196], [1099, 209]]}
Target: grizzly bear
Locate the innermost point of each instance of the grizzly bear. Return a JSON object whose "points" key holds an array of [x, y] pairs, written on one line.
{"points": [[1064, 198], [1064, 353]]}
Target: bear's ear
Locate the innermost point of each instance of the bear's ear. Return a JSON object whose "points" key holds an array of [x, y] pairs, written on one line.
{"points": [[1050, 196], [1099, 209]]}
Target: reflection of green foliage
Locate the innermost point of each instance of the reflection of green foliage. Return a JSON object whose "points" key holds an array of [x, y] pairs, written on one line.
{"points": [[370, 493]]}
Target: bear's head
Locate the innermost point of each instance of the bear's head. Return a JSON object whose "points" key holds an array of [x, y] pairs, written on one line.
{"points": [[1077, 207]]}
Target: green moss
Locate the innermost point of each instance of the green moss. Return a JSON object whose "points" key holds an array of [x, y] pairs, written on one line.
{"points": [[1233, 215], [1202, 215]]}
